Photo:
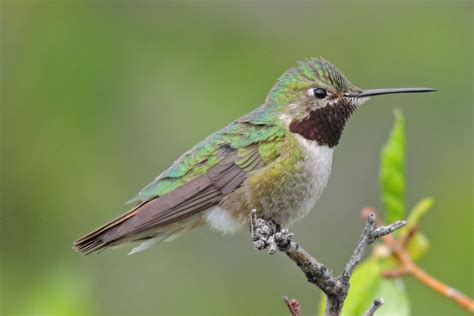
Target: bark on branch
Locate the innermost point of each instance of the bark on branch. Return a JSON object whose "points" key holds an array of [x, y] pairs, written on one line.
{"points": [[268, 235]]}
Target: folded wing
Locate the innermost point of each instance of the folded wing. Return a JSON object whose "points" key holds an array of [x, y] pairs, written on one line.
{"points": [[192, 197]]}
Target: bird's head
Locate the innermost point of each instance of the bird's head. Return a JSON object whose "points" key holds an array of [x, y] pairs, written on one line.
{"points": [[315, 100]]}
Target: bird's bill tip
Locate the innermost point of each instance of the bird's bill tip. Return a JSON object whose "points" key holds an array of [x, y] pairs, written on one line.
{"points": [[373, 92]]}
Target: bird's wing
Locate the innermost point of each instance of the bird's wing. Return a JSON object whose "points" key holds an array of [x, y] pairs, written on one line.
{"points": [[247, 131], [195, 182]]}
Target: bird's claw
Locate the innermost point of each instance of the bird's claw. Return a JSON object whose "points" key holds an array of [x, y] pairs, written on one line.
{"points": [[283, 238], [264, 233]]}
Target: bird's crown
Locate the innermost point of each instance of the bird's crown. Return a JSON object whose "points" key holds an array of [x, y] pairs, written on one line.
{"points": [[311, 72]]}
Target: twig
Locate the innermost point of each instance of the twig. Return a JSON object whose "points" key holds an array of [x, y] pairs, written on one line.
{"points": [[293, 306], [394, 273], [408, 266], [266, 235], [369, 235], [377, 303], [413, 269]]}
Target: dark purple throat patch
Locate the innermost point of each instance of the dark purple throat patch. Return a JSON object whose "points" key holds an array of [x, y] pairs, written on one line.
{"points": [[324, 125]]}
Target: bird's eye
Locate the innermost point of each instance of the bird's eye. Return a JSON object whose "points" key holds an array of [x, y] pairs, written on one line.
{"points": [[319, 93]]}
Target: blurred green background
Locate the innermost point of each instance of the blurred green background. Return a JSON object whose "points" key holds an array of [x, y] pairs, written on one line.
{"points": [[97, 98]]}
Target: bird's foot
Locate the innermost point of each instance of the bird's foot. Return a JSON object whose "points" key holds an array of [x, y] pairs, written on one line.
{"points": [[268, 234], [283, 238]]}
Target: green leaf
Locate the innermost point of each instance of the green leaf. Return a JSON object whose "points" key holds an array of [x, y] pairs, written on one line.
{"points": [[395, 298], [392, 171], [364, 283], [322, 305], [418, 244]]}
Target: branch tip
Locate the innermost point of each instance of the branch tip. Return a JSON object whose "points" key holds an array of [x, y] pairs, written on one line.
{"points": [[293, 306], [371, 218], [378, 301], [385, 230], [376, 304]]}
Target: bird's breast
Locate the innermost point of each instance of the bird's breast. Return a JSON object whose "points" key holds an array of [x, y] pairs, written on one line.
{"points": [[316, 167], [285, 190]]}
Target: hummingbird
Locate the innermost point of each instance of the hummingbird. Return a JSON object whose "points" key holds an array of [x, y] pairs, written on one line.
{"points": [[276, 159]]}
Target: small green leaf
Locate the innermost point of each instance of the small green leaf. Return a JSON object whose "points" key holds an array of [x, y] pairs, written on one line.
{"points": [[392, 171], [420, 209], [395, 298], [418, 246]]}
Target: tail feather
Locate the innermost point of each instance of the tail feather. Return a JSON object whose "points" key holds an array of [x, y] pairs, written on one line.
{"points": [[94, 241], [123, 230], [144, 245]]}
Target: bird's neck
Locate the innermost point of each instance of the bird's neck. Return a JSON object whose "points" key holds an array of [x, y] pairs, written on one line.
{"points": [[324, 125]]}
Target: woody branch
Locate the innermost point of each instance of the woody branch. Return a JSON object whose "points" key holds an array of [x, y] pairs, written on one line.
{"points": [[267, 235]]}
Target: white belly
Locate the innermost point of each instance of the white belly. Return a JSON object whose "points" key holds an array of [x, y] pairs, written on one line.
{"points": [[220, 220]]}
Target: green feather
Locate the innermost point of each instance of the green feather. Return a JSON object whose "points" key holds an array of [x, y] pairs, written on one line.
{"points": [[313, 71], [242, 135]]}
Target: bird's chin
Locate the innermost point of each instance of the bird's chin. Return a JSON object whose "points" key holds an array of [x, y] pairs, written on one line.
{"points": [[358, 101]]}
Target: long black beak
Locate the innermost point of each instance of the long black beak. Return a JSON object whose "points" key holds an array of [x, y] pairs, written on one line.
{"points": [[372, 92]]}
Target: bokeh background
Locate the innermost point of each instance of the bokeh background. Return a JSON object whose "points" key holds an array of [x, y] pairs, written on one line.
{"points": [[97, 98]]}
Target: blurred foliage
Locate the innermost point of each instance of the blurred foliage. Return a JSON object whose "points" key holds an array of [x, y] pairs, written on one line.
{"points": [[61, 292], [392, 172], [418, 244], [397, 298], [367, 285], [98, 97]]}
